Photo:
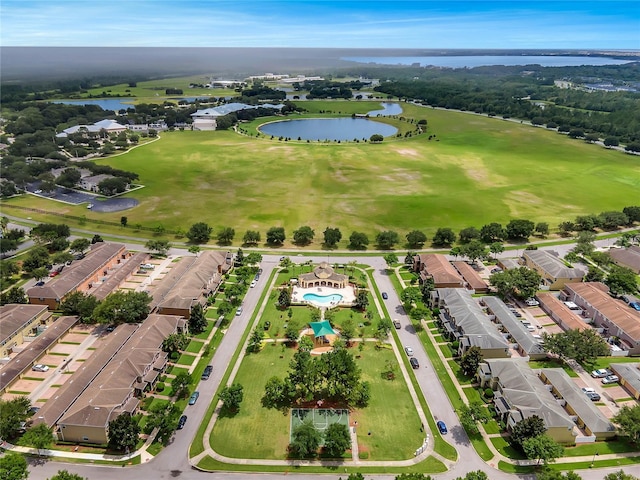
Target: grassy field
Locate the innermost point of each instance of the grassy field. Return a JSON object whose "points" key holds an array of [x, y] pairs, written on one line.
{"points": [[391, 416], [476, 171]]}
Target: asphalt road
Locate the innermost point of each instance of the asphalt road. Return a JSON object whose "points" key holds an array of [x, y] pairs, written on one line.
{"points": [[172, 462]]}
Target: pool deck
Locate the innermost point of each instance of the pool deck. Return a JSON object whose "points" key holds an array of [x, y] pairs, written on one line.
{"points": [[348, 296]]}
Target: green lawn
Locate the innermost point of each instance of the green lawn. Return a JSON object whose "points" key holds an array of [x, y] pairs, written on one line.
{"points": [[391, 416], [210, 324], [186, 359], [507, 450], [194, 346], [481, 170]]}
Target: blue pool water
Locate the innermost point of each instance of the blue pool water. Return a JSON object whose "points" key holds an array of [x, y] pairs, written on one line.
{"points": [[323, 299]]}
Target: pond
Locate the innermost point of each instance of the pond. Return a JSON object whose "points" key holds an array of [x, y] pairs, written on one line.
{"points": [[388, 108], [343, 129], [114, 104]]}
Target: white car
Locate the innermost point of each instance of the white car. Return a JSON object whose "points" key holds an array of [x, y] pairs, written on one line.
{"points": [[409, 351], [253, 284], [600, 373], [532, 302], [38, 191], [610, 379], [40, 368], [588, 390]]}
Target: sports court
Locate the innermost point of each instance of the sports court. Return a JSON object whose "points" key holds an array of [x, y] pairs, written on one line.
{"points": [[321, 417]]}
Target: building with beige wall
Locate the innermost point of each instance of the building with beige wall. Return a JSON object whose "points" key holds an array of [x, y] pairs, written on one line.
{"points": [[520, 394], [613, 316], [81, 275], [554, 272], [111, 382], [21, 323]]}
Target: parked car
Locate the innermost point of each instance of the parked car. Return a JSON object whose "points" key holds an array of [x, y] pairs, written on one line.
{"points": [[610, 379], [253, 284], [181, 422], [635, 305], [40, 368], [588, 390], [532, 302], [397, 324], [414, 363], [601, 373], [55, 273], [207, 372], [40, 283], [239, 311], [593, 396], [194, 398], [259, 271], [147, 266], [110, 328], [38, 191], [496, 270], [442, 427], [409, 351], [384, 295]]}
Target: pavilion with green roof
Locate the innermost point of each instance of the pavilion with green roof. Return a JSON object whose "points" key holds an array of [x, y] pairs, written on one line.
{"points": [[321, 330]]}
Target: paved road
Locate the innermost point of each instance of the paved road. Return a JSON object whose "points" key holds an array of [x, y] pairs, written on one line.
{"points": [[173, 462]]}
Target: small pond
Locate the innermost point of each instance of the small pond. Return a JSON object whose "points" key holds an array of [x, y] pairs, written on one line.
{"points": [[343, 129]]}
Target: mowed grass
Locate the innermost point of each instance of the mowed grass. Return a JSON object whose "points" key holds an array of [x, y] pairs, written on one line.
{"points": [[477, 170], [391, 416]]}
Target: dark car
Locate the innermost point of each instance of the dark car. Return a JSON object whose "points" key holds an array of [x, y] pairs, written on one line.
{"points": [[397, 324], [442, 427], [384, 295], [40, 283], [414, 363], [207, 372], [593, 396], [181, 422]]}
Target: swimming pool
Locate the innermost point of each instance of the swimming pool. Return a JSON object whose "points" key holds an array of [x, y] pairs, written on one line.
{"points": [[322, 299]]}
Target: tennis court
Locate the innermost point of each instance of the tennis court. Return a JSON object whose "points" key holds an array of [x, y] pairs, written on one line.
{"points": [[321, 417]]}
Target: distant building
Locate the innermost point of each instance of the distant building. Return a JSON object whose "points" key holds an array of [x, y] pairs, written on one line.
{"points": [[109, 126], [91, 183]]}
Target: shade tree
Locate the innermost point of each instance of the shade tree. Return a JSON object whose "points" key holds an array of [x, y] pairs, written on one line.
{"points": [[416, 239], [276, 236], [444, 237], [303, 235], [331, 237], [199, 232]]}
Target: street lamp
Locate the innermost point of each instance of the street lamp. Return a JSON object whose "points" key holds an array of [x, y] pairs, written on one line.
{"points": [[593, 459]]}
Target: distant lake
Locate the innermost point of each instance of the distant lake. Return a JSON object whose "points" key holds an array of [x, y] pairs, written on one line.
{"points": [[388, 108], [343, 129], [471, 61], [114, 104]]}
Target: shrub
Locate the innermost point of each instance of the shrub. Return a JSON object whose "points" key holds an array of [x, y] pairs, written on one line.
{"points": [[488, 393], [159, 387]]}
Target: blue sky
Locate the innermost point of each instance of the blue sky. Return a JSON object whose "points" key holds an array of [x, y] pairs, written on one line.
{"points": [[425, 24]]}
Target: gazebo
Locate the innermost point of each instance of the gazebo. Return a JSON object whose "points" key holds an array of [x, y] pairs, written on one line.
{"points": [[322, 330]]}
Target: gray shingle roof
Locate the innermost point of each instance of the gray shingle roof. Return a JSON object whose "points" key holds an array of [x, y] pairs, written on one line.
{"points": [[516, 329], [551, 264]]}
